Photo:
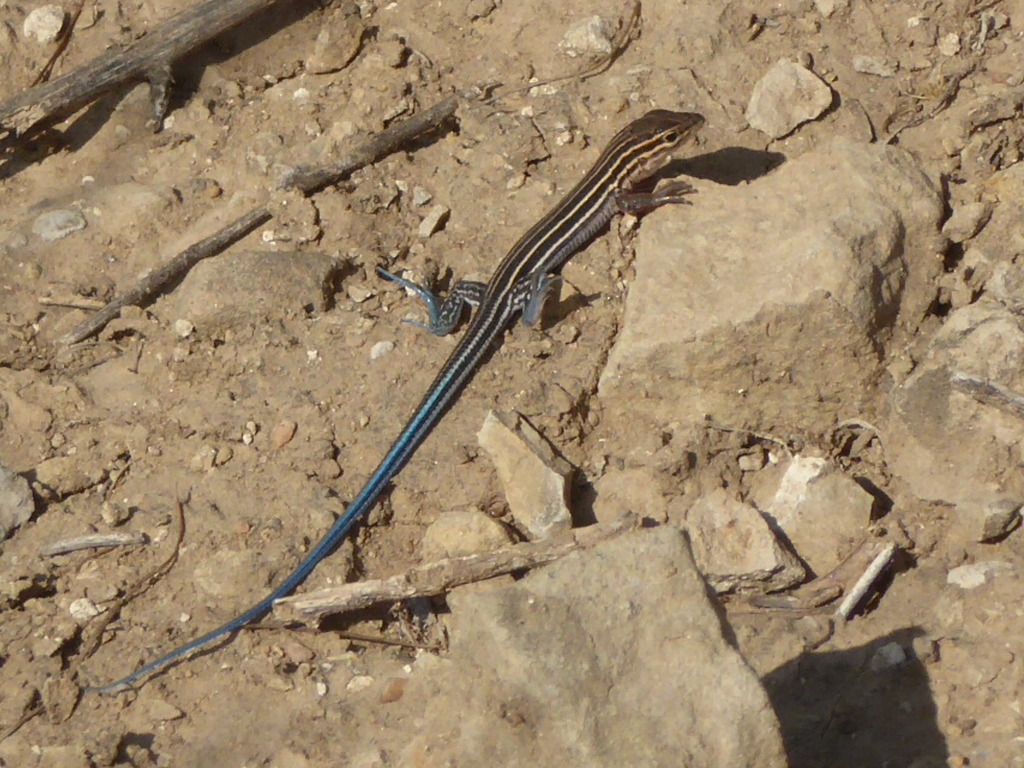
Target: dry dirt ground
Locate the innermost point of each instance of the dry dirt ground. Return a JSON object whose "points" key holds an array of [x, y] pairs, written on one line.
{"points": [[155, 409]]}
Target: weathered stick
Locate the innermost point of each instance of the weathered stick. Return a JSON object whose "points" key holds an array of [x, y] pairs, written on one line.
{"points": [[989, 393], [307, 179], [93, 541], [440, 576], [149, 59], [866, 582]]}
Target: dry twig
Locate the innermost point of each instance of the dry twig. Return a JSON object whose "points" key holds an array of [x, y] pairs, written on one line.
{"points": [[93, 541], [441, 576], [150, 59], [306, 179]]}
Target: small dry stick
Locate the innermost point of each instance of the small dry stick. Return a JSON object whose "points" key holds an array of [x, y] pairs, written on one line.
{"points": [[93, 541], [96, 630], [151, 285], [866, 582], [75, 302], [93, 634], [618, 45], [440, 576], [989, 393], [62, 44], [306, 179]]}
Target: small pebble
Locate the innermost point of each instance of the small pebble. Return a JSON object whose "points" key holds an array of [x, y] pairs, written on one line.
{"points": [[393, 690], [223, 456], [949, 45], [380, 349], [56, 225], [359, 683], [590, 37], [966, 221], [421, 197], [975, 574], [114, 514], [359, 293], [83, 609], [44, 24], [203, 460], [925, 650], [752, 462], [433, 221], [878, 66], [283, 433], [479, 9], [889, 655], [163, 711], [183, 328], [787, 96]]}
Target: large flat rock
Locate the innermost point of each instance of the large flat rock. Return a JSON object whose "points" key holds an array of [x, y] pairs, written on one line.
{"points": [[605, 658], [769, 303]]}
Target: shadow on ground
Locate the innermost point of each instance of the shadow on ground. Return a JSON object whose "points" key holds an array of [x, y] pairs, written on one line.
{"points": [[837, 711]]}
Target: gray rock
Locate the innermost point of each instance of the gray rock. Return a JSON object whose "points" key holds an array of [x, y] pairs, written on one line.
{"points": [[735, 548], [607, 658], [950, 442], [590, 37], [16, 502], [888, 656], [239, 290], [338, 42], [535, 478], [989, 519], [463, 532], [787, 96], [56, 225], [841, 240]]}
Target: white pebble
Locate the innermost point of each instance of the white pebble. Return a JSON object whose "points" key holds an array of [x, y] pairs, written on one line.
{"points": [[433, 221], [975, 574], [83, 609], [44, 24], [359, 683], [949, 45], [380, 349], [586, 38], [183, 328], [56, 225]]}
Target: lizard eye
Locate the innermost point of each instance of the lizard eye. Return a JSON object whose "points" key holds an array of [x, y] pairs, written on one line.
{"points": [[672, 137]]}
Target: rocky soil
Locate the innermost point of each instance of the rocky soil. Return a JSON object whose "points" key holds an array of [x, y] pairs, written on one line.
{"points": [[818, 361]]}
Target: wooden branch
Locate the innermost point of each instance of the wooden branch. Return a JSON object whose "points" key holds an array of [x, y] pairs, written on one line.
{"points": [[441, 576], [151, 285], [307, 179], [149, 59], [93, 541]]}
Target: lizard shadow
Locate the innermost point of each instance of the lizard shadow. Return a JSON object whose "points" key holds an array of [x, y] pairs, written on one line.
{"points": [[729, 166]]}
